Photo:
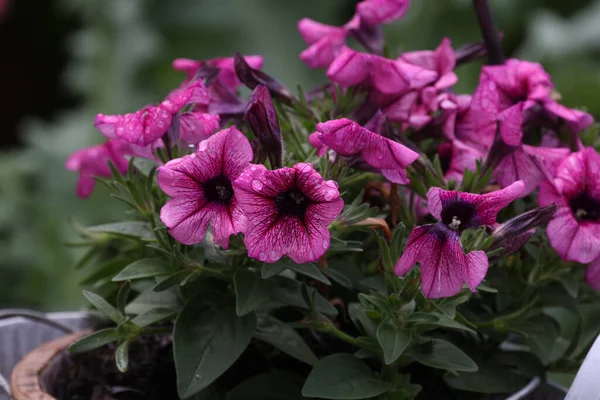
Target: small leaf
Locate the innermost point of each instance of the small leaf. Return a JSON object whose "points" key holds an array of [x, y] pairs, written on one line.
{"points": [[207, 340], [289, 291], [393, 341], [145, 268], [150, 300], [250, 291], [123, 296], [169, 281], [95, 340], [285, 338], [361, 320], [443, 355], [122, 356], [136, 229], [274, 385], [309, 269], [339, 277], [489, 379], [342, 376], [103, 306]]}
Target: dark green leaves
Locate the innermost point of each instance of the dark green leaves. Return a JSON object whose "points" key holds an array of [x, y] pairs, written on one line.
{"points": [[207, 341], [342, 376], [393, 341], [283, 337], [132, 229], [145, 268], [441, 354], [103, 306], [309, 269], [250, 291], [275, 385]]}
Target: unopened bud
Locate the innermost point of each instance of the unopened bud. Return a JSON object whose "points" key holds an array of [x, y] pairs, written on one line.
{"points": [[262, 118]]}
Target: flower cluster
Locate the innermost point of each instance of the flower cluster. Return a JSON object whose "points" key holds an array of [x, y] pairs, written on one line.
{"points": [[382, 168]]}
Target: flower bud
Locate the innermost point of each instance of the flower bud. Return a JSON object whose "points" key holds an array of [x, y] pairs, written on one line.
{"points": [[262, 118], [252, 78], [516, 232]]}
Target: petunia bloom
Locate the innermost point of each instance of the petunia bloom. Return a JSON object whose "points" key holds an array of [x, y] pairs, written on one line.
{"points": [[379, 12], [227, 76], [93, 161], [456, 157], [151, 122], [201, 189], [437, 248], [324, 41], [288, 212], [574, 232], [196, 126], [347, 138]]}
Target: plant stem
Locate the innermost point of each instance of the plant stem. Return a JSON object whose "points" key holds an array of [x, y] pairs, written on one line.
{"points": [[331, 328], [489, 31], [502, 319]]}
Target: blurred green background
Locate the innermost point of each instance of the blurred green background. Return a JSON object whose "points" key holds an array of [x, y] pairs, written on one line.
{"points": [[63, 61]]}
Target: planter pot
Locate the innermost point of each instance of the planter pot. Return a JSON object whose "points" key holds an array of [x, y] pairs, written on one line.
{"points": [[20, 335]]}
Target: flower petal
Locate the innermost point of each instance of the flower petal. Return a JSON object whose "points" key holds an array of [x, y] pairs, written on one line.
{"points": [[378, 12], [574, 241], [490, 204], [196, 126], [349, 68], [511, 121]]}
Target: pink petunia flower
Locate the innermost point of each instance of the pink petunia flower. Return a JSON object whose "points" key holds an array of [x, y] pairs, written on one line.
{"points": [[347, 138], [456, 157], [93, 161], [227, 76], [151, 122], [574, 232], [437, 248], [288, 212], [197, 126], [201, 189], [324, 41], [415, 108]]}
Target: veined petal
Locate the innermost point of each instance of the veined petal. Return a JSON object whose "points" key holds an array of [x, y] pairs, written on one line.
{"points": [[349, 68], [573, 240], [511, 121]]}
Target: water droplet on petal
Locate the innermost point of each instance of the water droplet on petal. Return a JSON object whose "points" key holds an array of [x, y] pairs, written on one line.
{"points": [[257, 185], [325, 244], [329, 195], [202, 145], [120, 129], [261, 256], [332, 184]]}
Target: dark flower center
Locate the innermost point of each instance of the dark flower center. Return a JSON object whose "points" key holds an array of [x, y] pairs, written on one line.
{"points": [[292, 202], [218, 190], [458, 215], [585, 208]]}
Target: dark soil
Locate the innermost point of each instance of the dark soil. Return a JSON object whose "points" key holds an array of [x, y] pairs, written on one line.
{"points": [[94, 376]]}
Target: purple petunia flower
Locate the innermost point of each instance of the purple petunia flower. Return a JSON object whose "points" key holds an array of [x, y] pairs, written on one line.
{"points": [[151, 122], [456, 157], [201, 189], [93, 161], [574, 232], [347, 138], [437, 248], [288, 211], [324, 41]]}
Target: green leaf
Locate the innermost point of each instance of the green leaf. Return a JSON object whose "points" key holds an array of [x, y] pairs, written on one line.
{"points": [[150, 300], [95, 340], [103, 306], [134, 229], [144, 165], [444, 321], [274, 385], [145, 268], [542, 332], [152, 316], [393, 341], [361, 320], [250, 291], [443, 355], [289, 291], [122, 356], [169, 281], [285, 338], [489, 379], [309, 269], [590, 315], [123, 296], [342, 376], [207, 340], [339, 277]]}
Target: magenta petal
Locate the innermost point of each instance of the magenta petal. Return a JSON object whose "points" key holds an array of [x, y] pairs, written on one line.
{"points": [[378, 12], [491, 203], [402, 108], [313, 31], [194, 92], [349, 68], [572, 240], [229, 149], [322, 53], [227, 75], [444, 266], [196, 126], [397, 76], [511, 121], [592, 274], [186, 65], [142, 127], [576, 120], [187, 218], [315, 142], [348, 138], [580, 172]]}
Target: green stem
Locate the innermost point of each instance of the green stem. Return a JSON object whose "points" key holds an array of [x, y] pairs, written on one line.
{"points": [[505, 318], [329, 327]]}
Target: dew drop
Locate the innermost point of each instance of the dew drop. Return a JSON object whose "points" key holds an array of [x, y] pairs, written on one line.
{"points": [[120, 129], [202, 145], [325, 244], [257, 185], [332, 184], [329, 195]]}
